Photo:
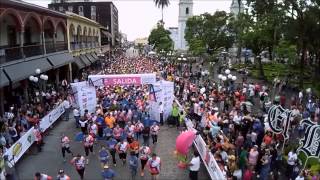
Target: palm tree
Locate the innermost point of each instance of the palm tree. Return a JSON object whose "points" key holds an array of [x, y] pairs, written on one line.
{"points": [[161, 4]]}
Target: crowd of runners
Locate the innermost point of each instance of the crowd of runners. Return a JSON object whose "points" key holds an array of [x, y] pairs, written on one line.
{"points": [[229, 115]]}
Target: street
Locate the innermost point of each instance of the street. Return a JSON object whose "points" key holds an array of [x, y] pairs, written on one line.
{"points": [[50, 160]]}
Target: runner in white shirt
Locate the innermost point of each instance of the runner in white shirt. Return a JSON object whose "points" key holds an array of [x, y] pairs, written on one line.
{"points": [[154, 164], [88, 141], [65, 146], [79, 163], [122, 148], [66, 105], [144, 156], [194, 166], [154, 132]]}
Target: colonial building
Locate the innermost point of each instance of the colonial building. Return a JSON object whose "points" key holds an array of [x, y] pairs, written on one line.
{"points": [[84, 40], [37, 46], [105, 13], [185, 11]]}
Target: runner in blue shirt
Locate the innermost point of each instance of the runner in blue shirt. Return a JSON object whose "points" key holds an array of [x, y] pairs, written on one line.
{"points": [[108, 173], [104, 156], [111, 144]]}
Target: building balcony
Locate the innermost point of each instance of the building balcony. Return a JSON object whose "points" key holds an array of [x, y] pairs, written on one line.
{"points": [[12, 53]]}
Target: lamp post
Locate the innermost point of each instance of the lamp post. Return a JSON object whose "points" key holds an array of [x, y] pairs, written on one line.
{"points": [[41, 78]]}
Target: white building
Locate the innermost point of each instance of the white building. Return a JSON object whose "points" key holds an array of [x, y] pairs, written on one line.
{"points": [[185, 11], [234, 8], [174, 35]]}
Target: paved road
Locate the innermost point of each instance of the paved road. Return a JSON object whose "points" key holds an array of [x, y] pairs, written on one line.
{"points": [[50, 160]]}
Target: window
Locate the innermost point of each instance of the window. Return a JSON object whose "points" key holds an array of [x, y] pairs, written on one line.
{"points": [[93, 13], [80, 10], [60, 8], [187, 10], [70, 8]]}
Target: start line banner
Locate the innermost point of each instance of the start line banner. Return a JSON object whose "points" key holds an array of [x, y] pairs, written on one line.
{"points": [[16, 151], [121, 79]]}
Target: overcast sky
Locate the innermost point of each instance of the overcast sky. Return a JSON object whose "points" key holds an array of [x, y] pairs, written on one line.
{"points": [[138, 17]]}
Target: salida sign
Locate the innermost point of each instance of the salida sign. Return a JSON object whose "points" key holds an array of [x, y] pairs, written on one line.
{"points": [[121, 81]]}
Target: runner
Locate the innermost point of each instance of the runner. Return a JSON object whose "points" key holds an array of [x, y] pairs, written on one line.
{"points": [[133, 164], [62, 176], [117, 132], [108, 173], [134, 147], [41, 176], [154, 132], [84, 125], [122, 148], [154, 164], [104, 156], [194, 166], [111, 143], [144, 156], [146, 135], [88, 141], [79, 163], [65, 146]]}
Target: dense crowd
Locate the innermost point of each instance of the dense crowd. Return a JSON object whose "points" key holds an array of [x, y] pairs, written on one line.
{"points": [[229, 115]]}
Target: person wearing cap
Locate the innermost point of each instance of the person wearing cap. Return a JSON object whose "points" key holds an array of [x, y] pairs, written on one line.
{"points": [[108, 173], [104, 156], [62, 176], [41, 176], [154, 164]]}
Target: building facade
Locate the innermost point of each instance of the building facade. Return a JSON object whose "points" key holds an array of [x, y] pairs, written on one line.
{"points": [[185, 11], [36, 50], [105, 13], [84, 41]]}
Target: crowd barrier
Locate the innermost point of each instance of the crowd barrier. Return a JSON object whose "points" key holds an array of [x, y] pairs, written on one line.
{"points": [[206, 156], [16, 151]]}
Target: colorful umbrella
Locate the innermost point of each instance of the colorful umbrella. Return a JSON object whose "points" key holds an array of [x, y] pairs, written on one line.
{"points": [[184, 141]]}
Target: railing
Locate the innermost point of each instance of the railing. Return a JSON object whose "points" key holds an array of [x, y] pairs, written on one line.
{"points": [[10, 53], [50, 47], [32, 50], [61, 46]]}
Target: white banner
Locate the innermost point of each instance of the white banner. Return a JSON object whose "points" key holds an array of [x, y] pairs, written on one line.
{"points": [[85, 96], [16, 151], [50, 118], [164, 92], [121, 79]]}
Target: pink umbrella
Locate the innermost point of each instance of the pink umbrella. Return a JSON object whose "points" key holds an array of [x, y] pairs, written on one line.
{"points": [[184, 141]]}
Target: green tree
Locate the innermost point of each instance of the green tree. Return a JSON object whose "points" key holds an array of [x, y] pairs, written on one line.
{"points": [[286, 50], [162, 4], [257, 40], [208, 32], [160, 39]]}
